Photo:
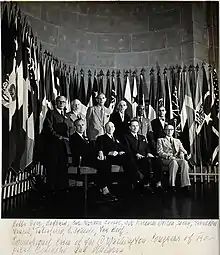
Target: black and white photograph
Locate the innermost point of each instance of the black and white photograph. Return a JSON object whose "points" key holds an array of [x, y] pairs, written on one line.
{"points": [[110, 110]]}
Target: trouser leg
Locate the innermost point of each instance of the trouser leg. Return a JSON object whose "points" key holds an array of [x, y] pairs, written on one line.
{"points": [[173, 167], [184, 168]]}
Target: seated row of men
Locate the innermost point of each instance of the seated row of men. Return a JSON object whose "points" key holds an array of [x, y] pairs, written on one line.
{"points": [[103, 139]]}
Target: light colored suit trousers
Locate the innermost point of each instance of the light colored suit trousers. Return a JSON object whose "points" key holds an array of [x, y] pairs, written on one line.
{"points": [[165, 149]]}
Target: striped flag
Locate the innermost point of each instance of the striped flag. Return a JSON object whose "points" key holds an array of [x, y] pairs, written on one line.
{"points": [[89, 90], [134, 96], [82, 93], [168, 102], [160, 93], [127, 95], [152, 97]]}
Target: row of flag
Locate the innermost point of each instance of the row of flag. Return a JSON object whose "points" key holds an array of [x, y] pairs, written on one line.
{"points": [[33, 78]]}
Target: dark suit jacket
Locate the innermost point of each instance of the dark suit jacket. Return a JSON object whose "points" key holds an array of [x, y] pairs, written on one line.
{"points": [[134, 146], [121, 128], [55, 127], [81, 147], [106, 144]]}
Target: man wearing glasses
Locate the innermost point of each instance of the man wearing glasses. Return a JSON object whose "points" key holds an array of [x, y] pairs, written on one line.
{"points": [[173, 154], [56, 144]]}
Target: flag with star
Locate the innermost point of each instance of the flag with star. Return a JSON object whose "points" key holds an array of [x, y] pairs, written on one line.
{"points": [[205, 120], [215, 118]]}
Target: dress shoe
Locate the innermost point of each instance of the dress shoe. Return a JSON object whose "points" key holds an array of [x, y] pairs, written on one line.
{"points": [[148, 189], [186, 190], [160, 189], [173, 190], [109, 197]]}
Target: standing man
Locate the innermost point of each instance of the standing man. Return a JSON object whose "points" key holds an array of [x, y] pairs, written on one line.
{"points": [[97, 117], [172, 153], [158, 125], [75, 113], [56, 144], [139, 154], [145, 125], [120, 119]]}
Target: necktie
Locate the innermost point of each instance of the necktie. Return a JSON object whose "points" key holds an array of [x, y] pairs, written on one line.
{"points": [[102, 114], [62, 112]]}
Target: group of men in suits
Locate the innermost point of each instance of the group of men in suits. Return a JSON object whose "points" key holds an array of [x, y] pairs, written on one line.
{"points": [[103, 138]]}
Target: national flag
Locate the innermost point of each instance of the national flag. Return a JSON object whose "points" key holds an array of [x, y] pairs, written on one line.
{"points": [[82, 93], [152, 97], [100, 82], [119, 88], [141, 96], [160, 93], [168, 102], [89, 90], [175, 78], [127, 95], [206, 120], [134, 96], [113, 90], [187, 115], [9, 88], [215, 119], [108, 90], [95, 90]]}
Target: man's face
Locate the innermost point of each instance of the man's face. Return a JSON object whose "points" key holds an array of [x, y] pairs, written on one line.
{"points": [[75, 106], [134, 127], [122, 106], [110, 128], [101, 99], [140, 110], [161, 112], [169, 130], [80, 126], [61, 103]]}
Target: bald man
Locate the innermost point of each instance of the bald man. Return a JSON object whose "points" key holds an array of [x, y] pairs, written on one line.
{"points": [[56, 139], [120, 119], [75, 113]]}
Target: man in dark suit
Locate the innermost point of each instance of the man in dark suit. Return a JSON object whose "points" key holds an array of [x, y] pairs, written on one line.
{"points": [[120, 119], [56, 145], [158, 125], [111, 150], [84, 154], [139, 154]]}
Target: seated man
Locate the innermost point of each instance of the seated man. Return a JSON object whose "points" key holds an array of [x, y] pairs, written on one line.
{"points": [[172, 153], [139, 154], [82, 148], [111, 149]]}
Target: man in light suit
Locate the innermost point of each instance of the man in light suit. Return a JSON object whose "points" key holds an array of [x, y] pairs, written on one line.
{"points": [[97, 117], [173, 154], [145, 125], [75, 113]]}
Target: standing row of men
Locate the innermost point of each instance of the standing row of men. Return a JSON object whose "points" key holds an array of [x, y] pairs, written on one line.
{"points": [[103, 137]]}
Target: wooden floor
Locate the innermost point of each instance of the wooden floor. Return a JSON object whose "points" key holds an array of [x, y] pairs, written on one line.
{"points": [[201, 204]]}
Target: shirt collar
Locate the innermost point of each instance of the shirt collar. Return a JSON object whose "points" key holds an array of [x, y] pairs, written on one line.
{"points": [[109, 135], [161, 119], [60, 111], [79, 134]]}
